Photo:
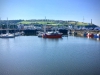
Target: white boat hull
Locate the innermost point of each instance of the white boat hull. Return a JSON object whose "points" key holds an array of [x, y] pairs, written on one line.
{"points": [[17, 34], [7, 36]]}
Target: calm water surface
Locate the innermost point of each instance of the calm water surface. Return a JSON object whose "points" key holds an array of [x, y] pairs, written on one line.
{"points": [[30, 55]]}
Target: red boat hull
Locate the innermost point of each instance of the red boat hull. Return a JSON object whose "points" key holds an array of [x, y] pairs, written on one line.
{"points": [[90, 35], [52, 36]]}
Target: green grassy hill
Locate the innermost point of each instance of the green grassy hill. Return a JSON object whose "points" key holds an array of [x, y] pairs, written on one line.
{"points": [[54, 22]]}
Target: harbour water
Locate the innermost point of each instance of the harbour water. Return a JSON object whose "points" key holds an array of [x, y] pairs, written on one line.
{"points": [[31, 55]]}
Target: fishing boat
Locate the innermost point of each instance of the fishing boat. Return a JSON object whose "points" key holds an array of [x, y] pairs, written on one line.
{"points": [[7, 35], [52, 34], [90, 35]]}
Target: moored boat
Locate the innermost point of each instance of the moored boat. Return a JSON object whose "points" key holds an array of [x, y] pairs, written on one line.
{"points": [[55, 34], [7, 35], [90, 35], [97, 35], [40, 34], [17, 34], [85, 34]]}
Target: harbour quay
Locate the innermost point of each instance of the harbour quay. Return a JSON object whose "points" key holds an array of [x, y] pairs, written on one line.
{"points": [[81, 33], [30, 32], [86, 33]]}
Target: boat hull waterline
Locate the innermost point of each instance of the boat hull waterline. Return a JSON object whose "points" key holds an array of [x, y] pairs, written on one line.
{"points": [[52, 35], [7, 36]]}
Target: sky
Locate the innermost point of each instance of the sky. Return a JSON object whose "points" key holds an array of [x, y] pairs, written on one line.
{"points": [[52, 9]]}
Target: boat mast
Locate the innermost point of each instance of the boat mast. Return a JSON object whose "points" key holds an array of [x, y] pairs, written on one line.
{"points": [[0, 22], [7, 26], [45, 26], [0, 25]]}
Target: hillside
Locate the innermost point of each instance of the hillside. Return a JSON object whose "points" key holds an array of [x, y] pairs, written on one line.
{"points": [[53, 22], [43, 22]]}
